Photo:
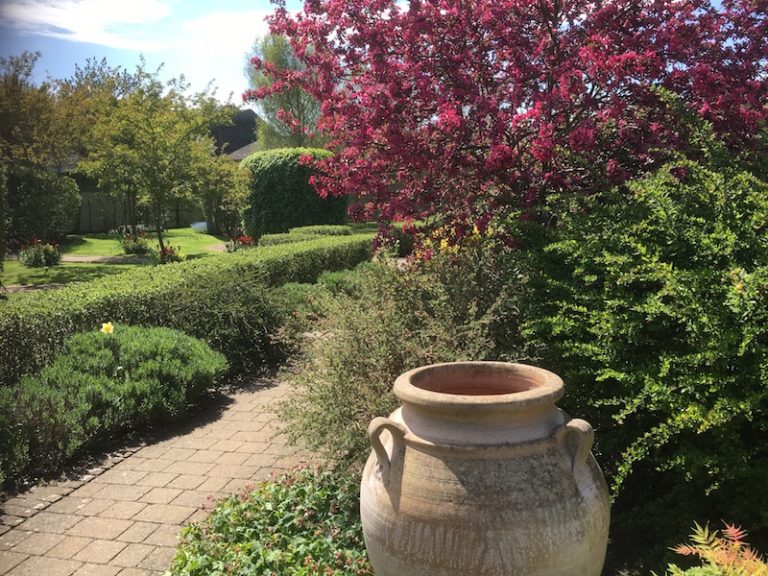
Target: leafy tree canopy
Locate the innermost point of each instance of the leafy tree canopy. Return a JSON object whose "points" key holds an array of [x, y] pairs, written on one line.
{"points": [[289, 116], [468, 109]]}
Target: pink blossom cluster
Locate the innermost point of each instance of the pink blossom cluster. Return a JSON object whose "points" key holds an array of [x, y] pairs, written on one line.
{"points": [[469, 108]]}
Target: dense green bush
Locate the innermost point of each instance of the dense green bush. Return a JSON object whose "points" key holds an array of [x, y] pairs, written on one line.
{"points": [[40, 205], [137, 244], [281, 196], [382, 321], [220, 299], [303, 524], [652, 304], [323, 230], [39, 254], [285, 238], [3, 215], [100, 385]]}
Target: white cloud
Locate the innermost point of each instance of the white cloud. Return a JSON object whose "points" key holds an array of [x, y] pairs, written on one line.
{"points": [[223, 32], [215, 48], [105, 22]]}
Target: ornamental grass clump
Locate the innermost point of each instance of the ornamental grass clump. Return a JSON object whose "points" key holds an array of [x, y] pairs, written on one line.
{"points": [[302, 524], [106, 382]]}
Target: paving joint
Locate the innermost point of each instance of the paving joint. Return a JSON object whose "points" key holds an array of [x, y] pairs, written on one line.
{"points": [[121, 514]]}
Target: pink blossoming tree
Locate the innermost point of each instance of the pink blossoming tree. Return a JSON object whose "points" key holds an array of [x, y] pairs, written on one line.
{"points": [[467, 109]]}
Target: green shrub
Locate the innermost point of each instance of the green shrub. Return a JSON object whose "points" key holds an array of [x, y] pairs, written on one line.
{"points": [[40, 205], [135, 244], [285, 238], [651, 304], [240, 242], [39, 254], [100, 385], [323, 230], [169, 254], [3, 215], [304, 523], [221, 299], [281, 196], [382, 322]]}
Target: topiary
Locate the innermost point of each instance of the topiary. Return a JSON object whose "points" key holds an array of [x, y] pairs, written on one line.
{"points": [[120, 379], [281, 196]]}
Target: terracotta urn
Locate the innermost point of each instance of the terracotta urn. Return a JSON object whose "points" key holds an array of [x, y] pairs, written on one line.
{"points": [[479, 473]]}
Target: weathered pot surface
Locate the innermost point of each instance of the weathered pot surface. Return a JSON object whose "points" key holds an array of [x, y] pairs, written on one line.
{"points": [[479, 473]]}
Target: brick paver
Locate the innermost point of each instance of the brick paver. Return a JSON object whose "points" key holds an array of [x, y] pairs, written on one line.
{"points": [[122, 516]]}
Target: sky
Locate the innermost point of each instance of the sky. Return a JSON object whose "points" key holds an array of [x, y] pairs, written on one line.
{"points": [[203, 39]]}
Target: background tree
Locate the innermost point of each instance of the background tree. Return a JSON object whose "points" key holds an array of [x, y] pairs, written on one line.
{"points": [[82, 101], [152, 134], [3, 214], [464, 110], [220, 188], [35, 152], [288, 117]]}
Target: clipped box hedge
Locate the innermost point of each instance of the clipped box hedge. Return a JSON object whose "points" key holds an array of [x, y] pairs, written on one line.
{"points": [[323, 230], [220, 299], [286, 238]]}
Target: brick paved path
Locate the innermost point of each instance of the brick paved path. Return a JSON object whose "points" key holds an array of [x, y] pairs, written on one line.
{"points": [[122, 517]]}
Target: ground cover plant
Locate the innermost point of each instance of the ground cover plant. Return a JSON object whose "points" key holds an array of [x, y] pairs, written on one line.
{"points": [[303, 523], [102, 383]]}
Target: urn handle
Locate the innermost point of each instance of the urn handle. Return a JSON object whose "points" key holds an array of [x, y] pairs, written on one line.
{"points": [[374, 434], [576, 437]]}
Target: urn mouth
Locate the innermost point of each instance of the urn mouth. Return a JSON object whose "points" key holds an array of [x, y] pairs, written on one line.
{"points": [[478, 385]]}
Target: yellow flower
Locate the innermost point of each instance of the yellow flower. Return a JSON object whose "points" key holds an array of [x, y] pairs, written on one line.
{"points": [[444, 245], [107, 328]]}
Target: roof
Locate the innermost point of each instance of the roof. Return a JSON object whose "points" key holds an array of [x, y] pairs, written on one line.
{"points": [[244, 152]]}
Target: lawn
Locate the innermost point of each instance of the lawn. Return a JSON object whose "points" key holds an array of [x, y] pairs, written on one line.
{"points": [[15, 272], [191, 243]]}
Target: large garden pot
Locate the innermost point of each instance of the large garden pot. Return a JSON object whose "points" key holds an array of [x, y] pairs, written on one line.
{"points": [[480, 474]]}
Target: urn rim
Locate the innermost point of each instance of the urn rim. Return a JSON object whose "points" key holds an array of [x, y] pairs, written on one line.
{"points": [[479, 385]]}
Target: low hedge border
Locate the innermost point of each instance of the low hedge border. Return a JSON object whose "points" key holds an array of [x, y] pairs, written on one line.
{"points": [[287, 238], [323, 230], [220, 299]]}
